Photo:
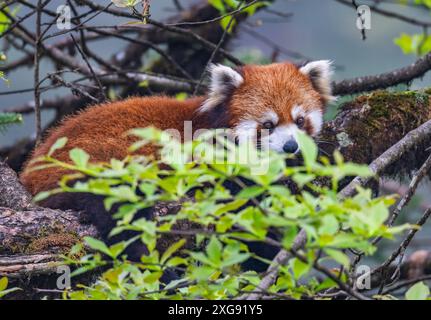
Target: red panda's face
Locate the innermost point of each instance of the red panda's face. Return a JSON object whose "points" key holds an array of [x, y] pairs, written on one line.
{"points": [[272, 102]]}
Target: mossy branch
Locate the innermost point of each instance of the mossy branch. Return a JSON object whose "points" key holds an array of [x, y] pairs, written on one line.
{"points": [[369, 125]]}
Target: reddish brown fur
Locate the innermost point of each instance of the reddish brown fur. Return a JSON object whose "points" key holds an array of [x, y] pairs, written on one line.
{"points": [[100, 130]]}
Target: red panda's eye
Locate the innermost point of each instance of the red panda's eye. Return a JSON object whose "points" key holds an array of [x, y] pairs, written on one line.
{"points": [[300, 122], [268, 125]]}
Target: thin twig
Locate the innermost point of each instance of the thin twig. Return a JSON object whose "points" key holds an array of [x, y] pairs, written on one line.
{"points": [[402, 247], [417, 178], [96, 78], [217, 48], [279, 260]]}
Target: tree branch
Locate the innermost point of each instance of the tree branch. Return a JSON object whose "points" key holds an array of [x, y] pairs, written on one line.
{"points": [[384, 80]]}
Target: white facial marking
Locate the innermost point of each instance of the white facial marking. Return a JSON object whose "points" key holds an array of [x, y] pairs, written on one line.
{"points": [[275, 140], [297, 111], [315, 116], [270, 116], [246, 130], [223, 78], [316, 119], [320, 73], [279, 137]]}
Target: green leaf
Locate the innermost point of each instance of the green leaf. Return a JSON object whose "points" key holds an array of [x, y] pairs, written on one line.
{"points": [[231, 206], [60, 143], [144, 84], [377, 216], [175, 261], [348, 240], [5, 292], [214, 249], [418, 44], [79, 157], [338, 256], [419, 291], [308, 149], [329, 225], [125, 3], [299, 268], [3, 283], [199, 256], [226, 22], [352, 169], [405, 42], [3, 287], [235, 259], [116, 249], [250, 192], [303, 178], [289, 237], [97, 245], [182, 96], [4, 22], [219, 5], [326, 284], [171, 250], [41, 196], [251, 10], [153, 277], [125, 193], [8, 118]]}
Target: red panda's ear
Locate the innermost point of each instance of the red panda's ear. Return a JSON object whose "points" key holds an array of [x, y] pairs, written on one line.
{"points": [[320, 73], [223, 81]]}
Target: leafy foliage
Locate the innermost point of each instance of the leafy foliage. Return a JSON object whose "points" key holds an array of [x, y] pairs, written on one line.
{"points": [[426, 3], [226, 6], [210, 268], [418, 292], [417, 44], [4, 22], [125, 3], [2, 74], [8, 118], [3, 287]]}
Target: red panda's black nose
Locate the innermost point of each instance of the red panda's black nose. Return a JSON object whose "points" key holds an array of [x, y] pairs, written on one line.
{"points": [[290, 146]]}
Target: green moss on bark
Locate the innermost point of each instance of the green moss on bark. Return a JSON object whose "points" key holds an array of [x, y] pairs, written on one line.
{"points": [[370, 124]]}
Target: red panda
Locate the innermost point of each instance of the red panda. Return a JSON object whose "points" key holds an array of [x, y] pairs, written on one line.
{"points": [[280, 97]]}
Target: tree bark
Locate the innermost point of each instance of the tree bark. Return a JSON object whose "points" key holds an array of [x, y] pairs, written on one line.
{"points": [[370, 124], [26, 228]]}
